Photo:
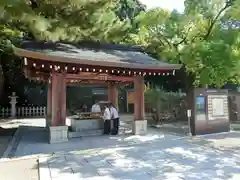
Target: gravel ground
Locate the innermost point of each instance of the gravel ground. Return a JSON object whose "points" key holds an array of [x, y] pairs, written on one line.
{"points": [[19, 169]]}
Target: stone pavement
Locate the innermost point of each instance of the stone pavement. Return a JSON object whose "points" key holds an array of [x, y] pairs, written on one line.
{"points": [[19, 170], [227, 142], [158, 155], [14, 123], [153, 159], [4, 143], [154, 156]]}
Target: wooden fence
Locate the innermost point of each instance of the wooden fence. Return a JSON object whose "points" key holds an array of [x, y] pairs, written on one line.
{"points": [[22, 112]]}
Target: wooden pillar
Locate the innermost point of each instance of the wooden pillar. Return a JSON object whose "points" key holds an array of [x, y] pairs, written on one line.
{"points": [[49, 104], [139, 110], [58, 99], [113, 94], [63, 101]]}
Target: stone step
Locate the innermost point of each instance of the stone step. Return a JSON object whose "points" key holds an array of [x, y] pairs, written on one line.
{"points": [[85, 133]]}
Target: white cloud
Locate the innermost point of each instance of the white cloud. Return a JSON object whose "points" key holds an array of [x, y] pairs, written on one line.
{"points": [[166, 4]]}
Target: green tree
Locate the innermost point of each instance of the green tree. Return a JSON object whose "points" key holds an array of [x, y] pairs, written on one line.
{"points": [[196, 38], [61, 20], [129, 9], [67, 20]]}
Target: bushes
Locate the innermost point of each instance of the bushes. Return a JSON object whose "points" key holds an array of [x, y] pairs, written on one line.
{"points": [[166, 105]]}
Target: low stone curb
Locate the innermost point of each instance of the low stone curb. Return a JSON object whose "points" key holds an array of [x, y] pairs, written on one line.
{"points": [[7, 152], [24, 158]]}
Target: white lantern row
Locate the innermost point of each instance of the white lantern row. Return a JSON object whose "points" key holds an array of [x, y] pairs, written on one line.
{"points": [[56, 68]]}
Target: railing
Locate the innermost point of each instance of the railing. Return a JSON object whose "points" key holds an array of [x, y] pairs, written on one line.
{"points": [[5, 112]]}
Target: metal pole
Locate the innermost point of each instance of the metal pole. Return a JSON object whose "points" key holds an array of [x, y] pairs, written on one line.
{"points": [[189, 121]]}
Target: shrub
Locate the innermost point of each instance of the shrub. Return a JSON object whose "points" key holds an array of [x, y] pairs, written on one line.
{"points": [[166, 105]]}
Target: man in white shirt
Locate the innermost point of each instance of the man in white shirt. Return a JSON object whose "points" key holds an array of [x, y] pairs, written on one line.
{"points": [[107, 120], [115, 119], [96, 107]]}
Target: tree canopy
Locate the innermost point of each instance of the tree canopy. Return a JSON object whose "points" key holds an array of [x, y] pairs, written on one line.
{"points": [[60, 20], [66, 20], [205, 38]]}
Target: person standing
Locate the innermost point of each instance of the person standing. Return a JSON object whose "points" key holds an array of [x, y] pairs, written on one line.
{"points": [[84, 108], [115, 119], [107, 120], [96, 107]]}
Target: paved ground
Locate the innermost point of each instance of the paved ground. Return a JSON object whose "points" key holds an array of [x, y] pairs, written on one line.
{"points": [[14, 123], [16, 169], [154, 156], [227, 142], [157, 155], [181, 127], [5, 137], [19, 169], [153, 159], [4, 143]]}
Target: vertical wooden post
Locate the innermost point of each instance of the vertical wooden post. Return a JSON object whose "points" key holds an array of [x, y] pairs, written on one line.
{"points": [[139, 124], [139, 110], [58, 99], [49, 104], [58, 130], [113, 94], [63, 100], [55, 99]]}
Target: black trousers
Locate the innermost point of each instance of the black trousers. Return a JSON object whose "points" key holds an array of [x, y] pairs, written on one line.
{"points": [[107, 127], [115, 126]]}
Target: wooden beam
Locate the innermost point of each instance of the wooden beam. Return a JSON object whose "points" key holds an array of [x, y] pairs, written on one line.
{"points": [[43, 76], [95, 82], [101, 77]]}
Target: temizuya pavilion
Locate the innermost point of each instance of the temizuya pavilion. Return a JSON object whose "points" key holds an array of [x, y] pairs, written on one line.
{"points": [[89, 62]]}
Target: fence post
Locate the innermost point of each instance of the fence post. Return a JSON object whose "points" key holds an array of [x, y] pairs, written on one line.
{"points": [[13, 102]]}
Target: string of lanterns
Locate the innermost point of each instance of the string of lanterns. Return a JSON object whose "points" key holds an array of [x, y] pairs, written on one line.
{"points": [[135, 73]]}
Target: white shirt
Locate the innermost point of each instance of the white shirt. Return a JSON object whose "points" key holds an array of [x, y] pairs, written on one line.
{"points": [[96, 108], [114, 113], [107, 114]]}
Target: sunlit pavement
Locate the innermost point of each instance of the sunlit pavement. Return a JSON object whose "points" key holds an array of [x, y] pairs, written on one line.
{"points": [[227, 142], [142, 162], [153, 156]]}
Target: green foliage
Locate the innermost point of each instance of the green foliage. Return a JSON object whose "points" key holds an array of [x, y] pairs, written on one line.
{"points": [[58, 20], [204, 38], [129, 9], [67, 20], [169, 104], [196, 38]]}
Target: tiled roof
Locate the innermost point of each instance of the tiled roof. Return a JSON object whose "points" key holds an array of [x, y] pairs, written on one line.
{"points": [[96, 52]]}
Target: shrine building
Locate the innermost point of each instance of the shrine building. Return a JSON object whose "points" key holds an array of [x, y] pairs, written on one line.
{"points": [[60, 64]]}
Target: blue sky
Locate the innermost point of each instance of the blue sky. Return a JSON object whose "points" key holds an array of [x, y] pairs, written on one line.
{"points": [[166, 4]]}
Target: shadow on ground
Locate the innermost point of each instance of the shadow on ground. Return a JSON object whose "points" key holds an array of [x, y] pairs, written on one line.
{"points": [[153, 159], [228, 142], [156, 155], [6, 135], [7, 131]]}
